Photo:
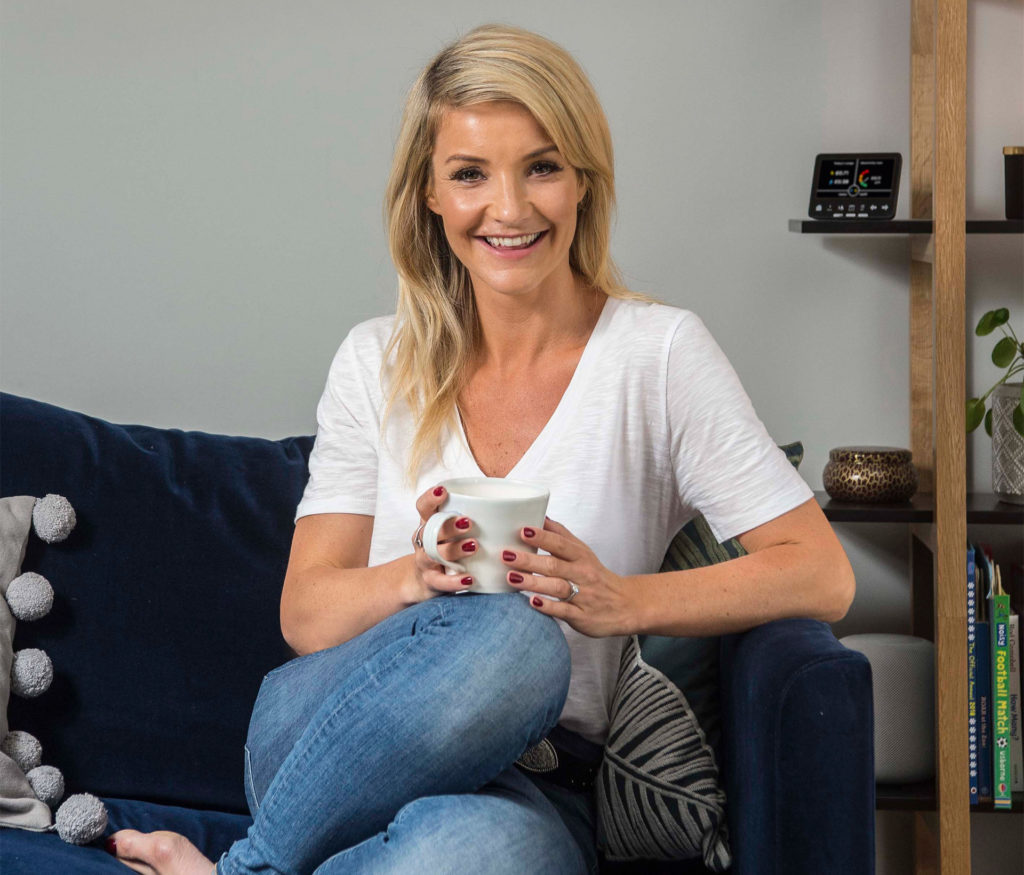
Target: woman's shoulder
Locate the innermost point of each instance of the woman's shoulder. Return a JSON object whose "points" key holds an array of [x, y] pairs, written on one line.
{"points": [[650, 319], [361, 352], [371, 334]]}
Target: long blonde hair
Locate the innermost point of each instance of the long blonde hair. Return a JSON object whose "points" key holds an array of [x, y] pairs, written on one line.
{"points": [[437, 330]]}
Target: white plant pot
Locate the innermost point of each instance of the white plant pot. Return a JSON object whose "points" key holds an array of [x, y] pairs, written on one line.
{"points": [[1007, 446]]}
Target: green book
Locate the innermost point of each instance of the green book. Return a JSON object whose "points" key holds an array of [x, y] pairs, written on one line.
{"points": [[1000, 626]]}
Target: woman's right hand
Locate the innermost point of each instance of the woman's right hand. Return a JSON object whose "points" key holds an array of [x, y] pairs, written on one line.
{"points": [[430, 577]]}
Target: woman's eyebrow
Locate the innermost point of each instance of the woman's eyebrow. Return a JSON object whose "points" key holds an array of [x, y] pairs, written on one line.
{"points": [[535, 154]]}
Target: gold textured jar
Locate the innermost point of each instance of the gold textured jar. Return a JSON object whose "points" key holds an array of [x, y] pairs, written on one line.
{"points": [[870, 474]]}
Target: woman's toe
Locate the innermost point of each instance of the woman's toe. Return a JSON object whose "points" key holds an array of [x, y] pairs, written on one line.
{"points": [[120, 842]]}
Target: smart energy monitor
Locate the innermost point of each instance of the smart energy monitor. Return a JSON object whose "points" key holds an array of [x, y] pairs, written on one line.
{"points": [[855, 185]]}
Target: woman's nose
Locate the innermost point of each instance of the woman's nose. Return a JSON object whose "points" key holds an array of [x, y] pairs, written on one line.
{"points": [[510, 200]]}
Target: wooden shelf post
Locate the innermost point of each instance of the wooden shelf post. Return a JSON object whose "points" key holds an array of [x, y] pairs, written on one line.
{"points": [[937, 330]]}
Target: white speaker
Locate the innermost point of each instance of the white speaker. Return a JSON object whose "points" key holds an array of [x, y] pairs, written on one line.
{"points": [[903, 690]]}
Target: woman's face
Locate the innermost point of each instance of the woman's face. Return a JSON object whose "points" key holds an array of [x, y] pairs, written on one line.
{"points": [[506, 196]]}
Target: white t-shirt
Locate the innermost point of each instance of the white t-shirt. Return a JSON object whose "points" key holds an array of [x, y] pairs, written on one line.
{"points": [[653, 429]]}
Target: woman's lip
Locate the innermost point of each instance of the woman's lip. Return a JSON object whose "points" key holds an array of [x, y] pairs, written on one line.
{"points": [[513, 253], [510, 236]]}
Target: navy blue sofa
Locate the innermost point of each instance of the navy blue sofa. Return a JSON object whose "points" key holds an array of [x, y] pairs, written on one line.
{"points": [[166, 620]]}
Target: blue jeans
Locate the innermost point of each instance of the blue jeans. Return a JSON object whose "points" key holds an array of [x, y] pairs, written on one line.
{"points": [[394, 751]]}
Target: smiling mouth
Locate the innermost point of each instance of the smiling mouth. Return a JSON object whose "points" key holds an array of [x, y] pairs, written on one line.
{"points": [[524, 241]]}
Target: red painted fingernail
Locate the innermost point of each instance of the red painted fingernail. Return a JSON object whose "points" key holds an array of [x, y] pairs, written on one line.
{"points": [[469, 547], [528, 533], [536, 602], [462, 523], [515, 578], [508, 556], [467, 581], [439, 491], [111, 846]]}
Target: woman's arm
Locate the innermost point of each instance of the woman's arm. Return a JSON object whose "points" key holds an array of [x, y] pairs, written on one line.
{"points": [[330, 595], [795, 567]]}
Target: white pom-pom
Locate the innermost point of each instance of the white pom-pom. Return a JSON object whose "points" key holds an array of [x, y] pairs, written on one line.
{"points": [[47, 783], [24, 748], [53, 517], [30, 596], [31, 673], [81, 819]]}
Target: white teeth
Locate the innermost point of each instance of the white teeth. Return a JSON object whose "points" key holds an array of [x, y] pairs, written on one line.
{"points": [[509, 242]]}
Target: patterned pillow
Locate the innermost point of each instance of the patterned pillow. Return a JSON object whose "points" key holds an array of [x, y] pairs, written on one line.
{"points": [[658, 793]]}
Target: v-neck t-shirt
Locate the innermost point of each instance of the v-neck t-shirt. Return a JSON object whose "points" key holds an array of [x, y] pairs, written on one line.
{"points": [[653, 429]]}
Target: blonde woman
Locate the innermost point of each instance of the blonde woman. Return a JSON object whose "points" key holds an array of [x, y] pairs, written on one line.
{"points": [[390, 743]]}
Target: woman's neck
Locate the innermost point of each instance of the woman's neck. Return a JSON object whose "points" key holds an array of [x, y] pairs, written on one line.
{"points": [[518, 335]]}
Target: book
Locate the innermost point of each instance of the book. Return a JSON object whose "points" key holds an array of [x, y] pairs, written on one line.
{"points": [[1016, 740], [983, 649], [999, 619], [972, 675], [984, 712]]}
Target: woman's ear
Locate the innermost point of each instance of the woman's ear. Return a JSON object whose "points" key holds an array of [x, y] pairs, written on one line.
{"points": [[581, 189], [429, 198]]}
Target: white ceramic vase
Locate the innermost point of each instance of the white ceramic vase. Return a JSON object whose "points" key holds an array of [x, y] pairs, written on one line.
{"points": [[1007, 446]]}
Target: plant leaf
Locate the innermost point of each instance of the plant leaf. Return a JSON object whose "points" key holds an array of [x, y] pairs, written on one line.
{"points": [[975, 413], [991, 321], [988, 423], [1018, 418], [1004, 352]]}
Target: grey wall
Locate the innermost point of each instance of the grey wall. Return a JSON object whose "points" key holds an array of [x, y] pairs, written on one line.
{"points": [[191, 208]]}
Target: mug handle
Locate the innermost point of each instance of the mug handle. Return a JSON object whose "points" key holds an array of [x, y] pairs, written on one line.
{"points": [[431, 530]]}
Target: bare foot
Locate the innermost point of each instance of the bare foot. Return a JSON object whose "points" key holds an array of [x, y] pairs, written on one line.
{"points": [[159, 853]]}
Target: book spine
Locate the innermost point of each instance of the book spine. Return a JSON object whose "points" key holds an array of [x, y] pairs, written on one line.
{"points": [[1016, 740], [1000, 631], [972, 677], [984, 712]]}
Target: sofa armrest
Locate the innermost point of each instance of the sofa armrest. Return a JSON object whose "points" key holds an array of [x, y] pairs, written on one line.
{"points": [[798, 751]]}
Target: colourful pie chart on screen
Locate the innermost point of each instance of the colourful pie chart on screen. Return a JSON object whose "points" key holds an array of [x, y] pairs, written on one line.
{"points": [[862, 178]]}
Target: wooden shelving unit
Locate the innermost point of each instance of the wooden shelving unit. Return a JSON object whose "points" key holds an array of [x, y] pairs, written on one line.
{"points": [[939, 514]]}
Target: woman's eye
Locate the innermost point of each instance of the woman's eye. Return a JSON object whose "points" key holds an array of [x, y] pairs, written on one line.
{"points": [[473, 174], [466, 174]]}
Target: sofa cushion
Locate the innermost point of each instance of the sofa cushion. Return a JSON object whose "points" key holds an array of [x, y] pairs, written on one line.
{"points": [[212, 832], [137, 709]]}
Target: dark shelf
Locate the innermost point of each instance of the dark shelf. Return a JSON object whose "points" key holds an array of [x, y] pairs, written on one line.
{"points": [[920, 509], [905, 797], [921, 797], [982, 508], [899, 226]]}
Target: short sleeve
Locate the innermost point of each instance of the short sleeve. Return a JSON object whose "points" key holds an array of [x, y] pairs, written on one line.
{"points": [[343, 462], [727, 466]]}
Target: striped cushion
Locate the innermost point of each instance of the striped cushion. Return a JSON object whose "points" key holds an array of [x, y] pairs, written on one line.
{"points": [[658, 793], [657, 789]]}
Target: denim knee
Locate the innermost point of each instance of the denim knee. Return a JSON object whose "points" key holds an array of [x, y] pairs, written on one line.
{"points": [[503, 829], [522, 656]]}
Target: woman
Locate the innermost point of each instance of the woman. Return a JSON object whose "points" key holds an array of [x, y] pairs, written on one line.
{"points": [[390, 743]]}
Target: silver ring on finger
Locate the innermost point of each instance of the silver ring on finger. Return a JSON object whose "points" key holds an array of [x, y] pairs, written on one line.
{"points": [[417, 537], [573, 591]]}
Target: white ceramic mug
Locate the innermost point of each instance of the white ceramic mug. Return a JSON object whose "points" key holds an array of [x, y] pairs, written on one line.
{"points": [[498, 508]]}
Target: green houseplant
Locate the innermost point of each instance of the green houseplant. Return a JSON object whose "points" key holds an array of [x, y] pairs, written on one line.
{"points": [[1008, 353]]}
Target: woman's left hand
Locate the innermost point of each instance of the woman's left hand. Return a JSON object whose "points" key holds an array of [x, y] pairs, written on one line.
{"points": [[600, 608]]}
